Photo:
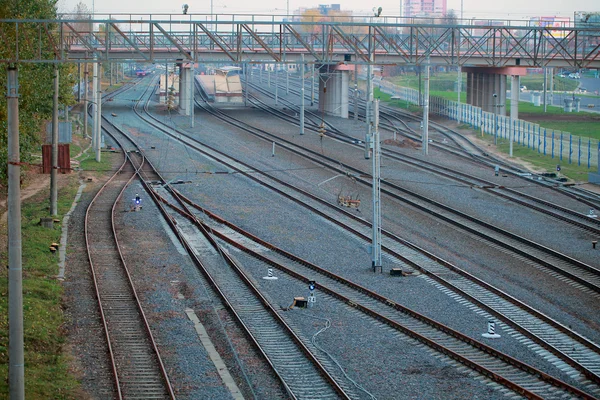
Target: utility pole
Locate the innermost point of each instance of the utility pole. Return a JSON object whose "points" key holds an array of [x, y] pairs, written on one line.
{"points": [[426, 111], [94, 102], [376, 235], [246, 88], [54, 170], [302, 97], [16, 368], [79, 83], [369, 96], [356, 92], [276, 84], [98, 116], [192, 73], [85, 100], [545, 89], [312, 88]]}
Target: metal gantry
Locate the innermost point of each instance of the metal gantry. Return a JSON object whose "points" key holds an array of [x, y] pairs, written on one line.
{"points": [[253, 39]]}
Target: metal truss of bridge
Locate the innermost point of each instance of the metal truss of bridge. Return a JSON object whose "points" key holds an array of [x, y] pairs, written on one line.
{"points": [[249, 39]]}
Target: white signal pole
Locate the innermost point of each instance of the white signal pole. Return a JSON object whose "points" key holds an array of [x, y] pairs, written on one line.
{"points": [[376, 236], [302, 97]]}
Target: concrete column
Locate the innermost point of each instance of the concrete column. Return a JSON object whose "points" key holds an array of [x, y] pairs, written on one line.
{"points": [[183, 106], [333, 92], [16, 358], [54, 170], [514, 109], [515, 88]]}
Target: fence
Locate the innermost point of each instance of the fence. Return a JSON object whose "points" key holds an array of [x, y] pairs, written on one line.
{"points": [[556, 144]]}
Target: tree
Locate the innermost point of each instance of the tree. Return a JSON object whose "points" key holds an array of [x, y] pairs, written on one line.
{"points": [[35, 80]]}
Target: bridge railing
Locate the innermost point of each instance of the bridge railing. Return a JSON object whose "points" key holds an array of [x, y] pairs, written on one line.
{"points": [[559, 145], [323, 40]]}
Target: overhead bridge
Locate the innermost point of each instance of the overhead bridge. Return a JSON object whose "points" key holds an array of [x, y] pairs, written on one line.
{"points": [[262, 39]]}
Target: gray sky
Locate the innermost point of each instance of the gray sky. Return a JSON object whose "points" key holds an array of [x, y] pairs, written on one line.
{"points": [[502, 9]]}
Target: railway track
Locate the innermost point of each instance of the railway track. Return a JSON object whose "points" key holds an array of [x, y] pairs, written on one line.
{"points": [[456, 144], [523, 318], [292, 361], [136, 363], [579, 218], [492, 364], [580, 274]]}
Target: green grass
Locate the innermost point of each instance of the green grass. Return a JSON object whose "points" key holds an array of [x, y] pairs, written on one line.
{"points": [[585, 129], [546, 162], [47, 373], [445, 82], [88, 162]]}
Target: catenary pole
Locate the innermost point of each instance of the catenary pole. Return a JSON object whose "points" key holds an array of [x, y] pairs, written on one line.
{"points": [[98, 116], [369, 96], [355, 92], [192, 73], [16, 368], [312, 87], [302, 96], [425, 133], [54, 170], [86, 93], [94, 103], [376, 234]]}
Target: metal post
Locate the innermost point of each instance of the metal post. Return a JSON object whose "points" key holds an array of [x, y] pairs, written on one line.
{"points": [[85, 101], [79, 83], [16, 368], [551, 85], [54, 170], [111, 74], [459, 83], [369, 97], [94, 102], [98, 116], [355, 92], [287, 81], [420, 95], [247, 87], [514, 111], [545, 89], [426, 111], [276, 85], [166, 82], [312, 87], [302, 97], [376, 234], [192, 73]]}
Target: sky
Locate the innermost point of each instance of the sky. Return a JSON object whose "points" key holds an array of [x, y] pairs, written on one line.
{"points": [[502, 9]]}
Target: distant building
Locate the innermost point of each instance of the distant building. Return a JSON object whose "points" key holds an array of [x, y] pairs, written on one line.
{"points": [[424, 8], [325, 9]]}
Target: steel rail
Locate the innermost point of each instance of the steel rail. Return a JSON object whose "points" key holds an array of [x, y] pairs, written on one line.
{"points": [[120, 370]]}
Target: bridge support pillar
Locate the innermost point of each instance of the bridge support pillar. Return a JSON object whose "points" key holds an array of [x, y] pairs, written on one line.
{"points": [[185, 76], [333, 90], [486, 88]]}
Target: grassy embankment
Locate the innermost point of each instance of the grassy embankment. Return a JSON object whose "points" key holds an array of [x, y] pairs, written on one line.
{"points": [[47, 374]]}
